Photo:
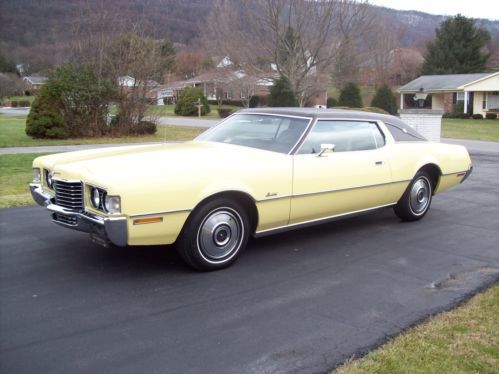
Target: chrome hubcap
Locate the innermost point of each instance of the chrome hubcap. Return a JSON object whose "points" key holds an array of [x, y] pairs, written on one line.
{"points": [[420, 195], [220, 234]]}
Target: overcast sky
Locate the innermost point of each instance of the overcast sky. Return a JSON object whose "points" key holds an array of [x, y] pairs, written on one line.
{"points": [[469, 8]]}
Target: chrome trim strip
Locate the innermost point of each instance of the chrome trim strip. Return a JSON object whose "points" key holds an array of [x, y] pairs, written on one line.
{"points": [[161, 213], [329, 191], [261, 233], [457, 172]]}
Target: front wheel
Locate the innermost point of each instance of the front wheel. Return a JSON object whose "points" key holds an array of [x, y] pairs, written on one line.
{"points": [[416, 200], [214, 235]]}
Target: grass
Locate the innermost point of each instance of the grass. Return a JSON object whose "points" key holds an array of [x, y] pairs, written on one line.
{"points": [[12, 135], [18, 98], [15, 174], [464, 340], [475, 129]]}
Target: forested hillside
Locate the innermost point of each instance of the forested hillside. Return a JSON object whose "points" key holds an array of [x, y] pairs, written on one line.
{"points": [[38, 31]]}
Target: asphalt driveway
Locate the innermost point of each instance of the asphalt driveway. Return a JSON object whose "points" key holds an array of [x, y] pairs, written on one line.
{"points": [[296, 302]]}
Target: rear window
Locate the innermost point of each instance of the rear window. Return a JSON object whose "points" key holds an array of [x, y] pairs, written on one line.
{"points": [[404, 133]]}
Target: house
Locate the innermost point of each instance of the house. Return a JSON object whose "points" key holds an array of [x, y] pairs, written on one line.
{"points": [[479, 93], [32, 84], [220, 83], [129, 84]]}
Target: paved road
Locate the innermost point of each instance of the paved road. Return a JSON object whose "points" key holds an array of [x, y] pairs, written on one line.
{"points": [[297, 302], [24, 111], [475, 146]]}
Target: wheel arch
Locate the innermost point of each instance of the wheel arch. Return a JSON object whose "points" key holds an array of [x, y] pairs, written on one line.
{"points": [[434, 171], [243, 198]]}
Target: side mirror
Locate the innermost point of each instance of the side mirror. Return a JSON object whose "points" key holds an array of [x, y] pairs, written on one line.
{"points": [[326, 148]]}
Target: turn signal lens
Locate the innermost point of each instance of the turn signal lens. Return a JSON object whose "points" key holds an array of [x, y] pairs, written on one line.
{"points": [[36, 175]]}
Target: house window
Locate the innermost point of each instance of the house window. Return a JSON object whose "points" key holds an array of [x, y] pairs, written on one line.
{"points": [[459, 96]]}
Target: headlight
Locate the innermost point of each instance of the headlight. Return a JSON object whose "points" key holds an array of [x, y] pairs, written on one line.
{"points": [[112, 204], [48, 179], [96, 197], [36, 175]]}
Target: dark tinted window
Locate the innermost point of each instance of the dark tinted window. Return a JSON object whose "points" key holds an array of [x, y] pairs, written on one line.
{"points": [[404, 133], [345, 135]]}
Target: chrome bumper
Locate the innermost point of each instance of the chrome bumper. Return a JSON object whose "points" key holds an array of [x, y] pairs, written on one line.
{"points": [[102, 230]]}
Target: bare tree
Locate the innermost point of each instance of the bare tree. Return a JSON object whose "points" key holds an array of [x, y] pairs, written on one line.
{"points": [[381, 42], [119, 48], [298, 38]]}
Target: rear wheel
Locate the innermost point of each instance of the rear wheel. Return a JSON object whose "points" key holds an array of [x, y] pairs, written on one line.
{"points": [[214, 235], [416, 200]]}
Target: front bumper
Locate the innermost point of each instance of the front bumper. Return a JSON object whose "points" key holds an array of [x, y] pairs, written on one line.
{"points": [[102, 229]]}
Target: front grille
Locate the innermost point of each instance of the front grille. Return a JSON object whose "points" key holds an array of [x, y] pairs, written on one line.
{"points": [[68, 220], [69, 195]]}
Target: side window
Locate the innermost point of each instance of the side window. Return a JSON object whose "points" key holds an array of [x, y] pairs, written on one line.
{"points": [[346, 136]]}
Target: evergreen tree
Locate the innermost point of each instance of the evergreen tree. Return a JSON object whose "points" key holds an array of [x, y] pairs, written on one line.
{"points": [[281, 94], [187, 102], [457, 48], [350, 96], [45, 119], [384, 99]]}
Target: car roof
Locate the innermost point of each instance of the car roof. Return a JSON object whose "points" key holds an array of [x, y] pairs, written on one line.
{"points": [[337, 114], [323, 113]]}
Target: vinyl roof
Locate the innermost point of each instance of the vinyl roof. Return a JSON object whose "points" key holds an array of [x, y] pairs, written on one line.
{"points": [[450, 82]]}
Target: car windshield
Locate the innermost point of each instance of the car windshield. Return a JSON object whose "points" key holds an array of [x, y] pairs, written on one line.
{"points": [[271, 133]]}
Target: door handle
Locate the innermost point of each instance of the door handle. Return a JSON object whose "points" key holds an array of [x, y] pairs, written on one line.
{"points": [[378, 163]]}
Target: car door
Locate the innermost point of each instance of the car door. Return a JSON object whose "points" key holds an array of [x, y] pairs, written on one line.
{"points": [[354, 177]]}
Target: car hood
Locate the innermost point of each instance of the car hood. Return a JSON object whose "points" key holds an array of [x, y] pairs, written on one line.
{"points": [[108, 166]]}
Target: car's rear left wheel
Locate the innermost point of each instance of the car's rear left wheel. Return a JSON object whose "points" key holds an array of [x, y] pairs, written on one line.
{"points": [[415, 202], [214, 235]]}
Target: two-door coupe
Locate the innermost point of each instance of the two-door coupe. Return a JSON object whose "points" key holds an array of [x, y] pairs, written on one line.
{"points": [[260, 171]]}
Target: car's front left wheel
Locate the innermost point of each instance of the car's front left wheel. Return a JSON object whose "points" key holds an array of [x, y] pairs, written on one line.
{"points": [[214, 235]]}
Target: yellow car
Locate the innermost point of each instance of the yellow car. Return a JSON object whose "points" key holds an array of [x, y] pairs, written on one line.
{"points": [[258, 172]]}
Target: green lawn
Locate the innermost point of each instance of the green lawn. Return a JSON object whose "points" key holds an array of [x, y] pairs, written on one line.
{"points": [[12, 135], [475, 129], [169, 110], [18, 98], [15, 174], [464, 340]]}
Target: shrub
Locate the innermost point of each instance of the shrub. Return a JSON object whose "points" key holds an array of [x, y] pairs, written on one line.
{"points": [[44, 119], [24, 103], [14, 104], [350, 96], [185, 105], [281, 94], [384, 99], [224, 112], [233, 102], [331, 102], [145, 127], [374, 110], [491, 115], [477, 116], [254, 101], [448, 115]]}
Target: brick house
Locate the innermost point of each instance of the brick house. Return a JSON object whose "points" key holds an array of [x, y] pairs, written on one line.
{"points": [[478, 92], [32, 84]]}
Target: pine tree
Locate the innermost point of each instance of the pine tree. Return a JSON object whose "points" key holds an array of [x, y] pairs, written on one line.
{"points": [[457, 48], [281, 94], [384, 99], [350, 96]]}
